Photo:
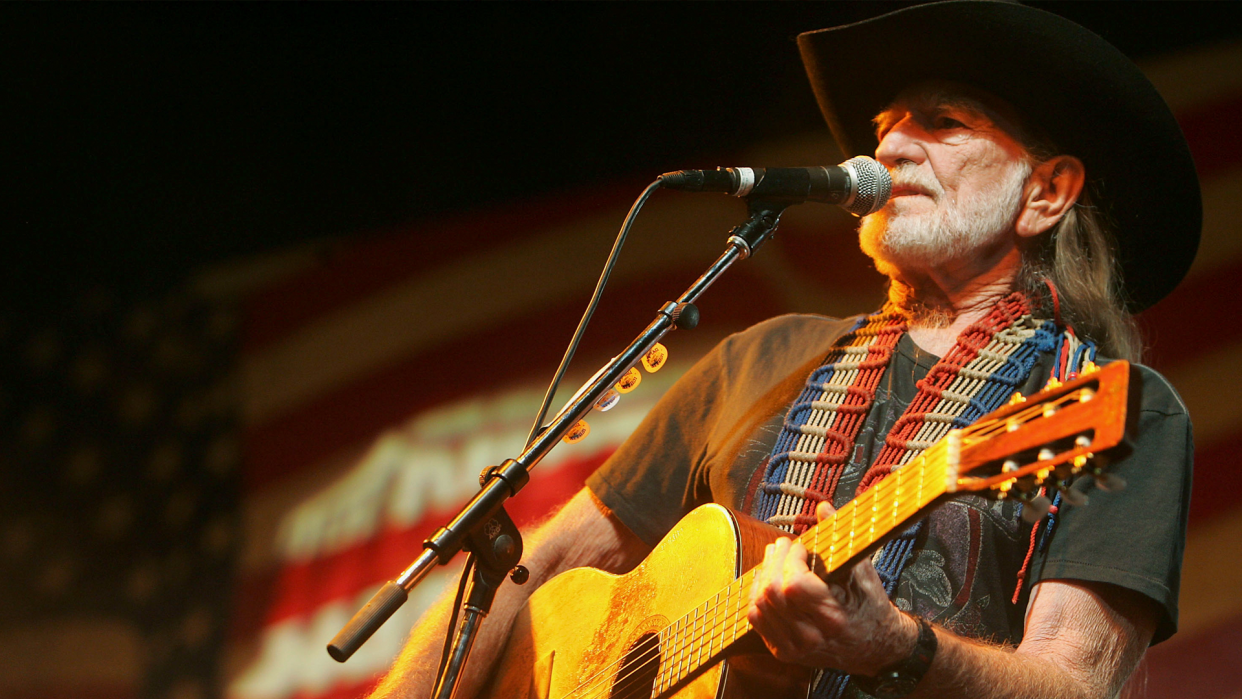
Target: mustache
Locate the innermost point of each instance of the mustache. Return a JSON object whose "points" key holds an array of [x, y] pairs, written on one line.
{"points": [[909, 175]]}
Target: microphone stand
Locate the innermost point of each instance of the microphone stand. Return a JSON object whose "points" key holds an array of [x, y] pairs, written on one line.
{"points": [[483, 527]]}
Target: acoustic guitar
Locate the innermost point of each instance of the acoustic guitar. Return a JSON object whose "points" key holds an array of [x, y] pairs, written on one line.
{"points": [[676, 625]]}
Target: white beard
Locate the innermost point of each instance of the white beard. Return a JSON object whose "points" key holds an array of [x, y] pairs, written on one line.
{"points": [[955, 230]]}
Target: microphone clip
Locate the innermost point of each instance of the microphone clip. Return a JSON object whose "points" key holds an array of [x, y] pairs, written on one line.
{"points": [[765, 216]]}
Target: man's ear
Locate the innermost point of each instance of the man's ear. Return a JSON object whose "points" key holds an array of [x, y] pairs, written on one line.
{"points": [[1051, 190]]}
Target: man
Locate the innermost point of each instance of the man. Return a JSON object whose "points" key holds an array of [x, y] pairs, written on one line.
{"points": [[1012, 136]]}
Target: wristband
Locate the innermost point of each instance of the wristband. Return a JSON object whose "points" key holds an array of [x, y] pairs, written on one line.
{"points": [[900, 678]]}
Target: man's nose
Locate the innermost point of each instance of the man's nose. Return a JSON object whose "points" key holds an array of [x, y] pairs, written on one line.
{"points": [[903, 141]]}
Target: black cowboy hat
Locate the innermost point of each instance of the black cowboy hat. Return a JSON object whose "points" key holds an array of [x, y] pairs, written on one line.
{"points": [[1090, 99]]}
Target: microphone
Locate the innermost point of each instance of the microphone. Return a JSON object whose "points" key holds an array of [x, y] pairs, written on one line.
{"points": [[860, 185]]}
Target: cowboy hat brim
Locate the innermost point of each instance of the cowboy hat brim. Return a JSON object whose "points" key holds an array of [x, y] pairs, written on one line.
{"points": [[1090, 99]]}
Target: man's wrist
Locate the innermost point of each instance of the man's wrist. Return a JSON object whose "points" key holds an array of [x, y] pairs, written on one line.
{"points": [[910, 638], [900, 642], [900, 677]]}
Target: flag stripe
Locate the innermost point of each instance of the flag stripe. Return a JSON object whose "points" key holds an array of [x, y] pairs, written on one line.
{"points": [[1213, 412], [1189, 79], [391, 257], [497, 283], [1187, 325], [1207, 593], [1222, 209], [1203, 665], [304, 587], [1212, 131], [463, 366], [1215, 481]]}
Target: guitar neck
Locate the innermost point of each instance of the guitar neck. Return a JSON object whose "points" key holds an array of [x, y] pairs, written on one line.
{"points": [[700, 637], [871, 516]]}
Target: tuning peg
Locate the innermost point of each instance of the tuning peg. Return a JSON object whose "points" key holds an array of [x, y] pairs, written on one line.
{"points": [[1073, 496], [1110, 482], [519, 575], [1034, 509]]}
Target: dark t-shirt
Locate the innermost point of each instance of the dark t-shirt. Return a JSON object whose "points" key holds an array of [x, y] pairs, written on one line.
{"points": [[707, 437]]}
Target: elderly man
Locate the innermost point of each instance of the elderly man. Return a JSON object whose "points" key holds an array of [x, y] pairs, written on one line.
{"points": [[1014, 138]]}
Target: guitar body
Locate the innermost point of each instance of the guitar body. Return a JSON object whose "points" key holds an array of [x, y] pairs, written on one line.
{"points": [[580, 634]]}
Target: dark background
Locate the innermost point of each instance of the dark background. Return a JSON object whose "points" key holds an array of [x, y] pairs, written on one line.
{"points": [[146, 141]]}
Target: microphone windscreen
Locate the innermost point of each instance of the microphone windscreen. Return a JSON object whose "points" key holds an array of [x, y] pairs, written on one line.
{"points": [[873, 185]]}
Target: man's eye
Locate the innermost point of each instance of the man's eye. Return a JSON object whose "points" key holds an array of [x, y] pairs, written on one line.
{"points": [[947, 123]]}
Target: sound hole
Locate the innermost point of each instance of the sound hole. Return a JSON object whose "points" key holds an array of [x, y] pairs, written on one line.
{"points": [[639, 668]]}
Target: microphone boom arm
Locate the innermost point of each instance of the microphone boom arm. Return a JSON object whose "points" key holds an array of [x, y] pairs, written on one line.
{"points": [[499, 483]]}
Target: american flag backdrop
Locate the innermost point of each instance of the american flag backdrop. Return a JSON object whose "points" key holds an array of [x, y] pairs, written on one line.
{"points": [[200, 490]]}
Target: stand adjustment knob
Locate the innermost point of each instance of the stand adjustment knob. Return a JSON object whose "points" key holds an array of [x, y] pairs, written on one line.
{"points": [[519, 575]]}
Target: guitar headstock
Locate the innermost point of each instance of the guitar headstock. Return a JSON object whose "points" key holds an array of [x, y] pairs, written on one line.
{"points": [[1044, 439]]}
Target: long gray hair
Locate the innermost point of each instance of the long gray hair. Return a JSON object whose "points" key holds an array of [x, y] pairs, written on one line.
{"points": [[1078, 256]]}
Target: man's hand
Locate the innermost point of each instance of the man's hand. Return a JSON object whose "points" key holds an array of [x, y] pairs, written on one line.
{"points": [[851, 626], [1082, 639]]}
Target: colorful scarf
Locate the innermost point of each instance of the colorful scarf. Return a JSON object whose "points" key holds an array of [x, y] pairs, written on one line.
{"points": [[990, 360]]}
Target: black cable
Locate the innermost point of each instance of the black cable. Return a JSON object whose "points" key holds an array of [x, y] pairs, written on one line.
{"points": [[590, 310], [453, 613], [547, 398]]}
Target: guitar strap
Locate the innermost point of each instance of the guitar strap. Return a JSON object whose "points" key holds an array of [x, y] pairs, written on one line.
{"points": [[989, 361]]}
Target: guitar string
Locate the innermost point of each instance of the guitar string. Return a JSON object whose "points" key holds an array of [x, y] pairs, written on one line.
{"points": [[735, 622], [680, 624], [693, 642], [735, 614]]}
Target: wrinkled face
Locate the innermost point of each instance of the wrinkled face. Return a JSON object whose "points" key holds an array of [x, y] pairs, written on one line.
{"points": [[958, 180]]}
